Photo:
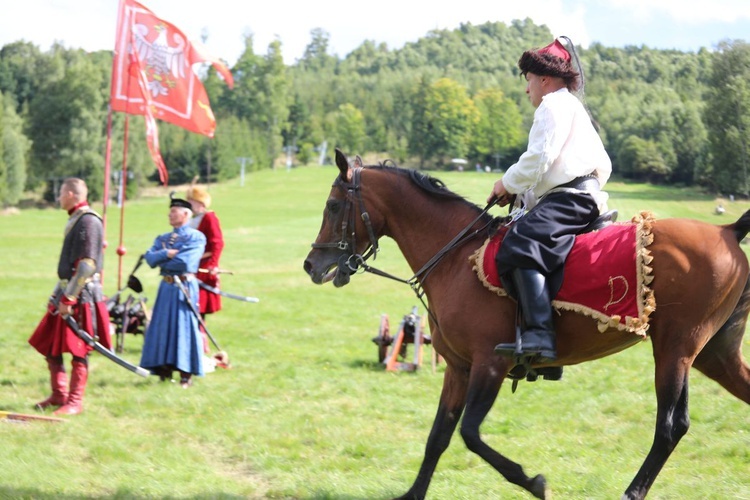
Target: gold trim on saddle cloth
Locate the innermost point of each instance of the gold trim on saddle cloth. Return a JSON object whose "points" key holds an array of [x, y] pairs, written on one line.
{"points": [[646, 303]]}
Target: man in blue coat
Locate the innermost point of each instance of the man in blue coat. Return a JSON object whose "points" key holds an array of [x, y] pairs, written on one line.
{"points": [[173, 339]]}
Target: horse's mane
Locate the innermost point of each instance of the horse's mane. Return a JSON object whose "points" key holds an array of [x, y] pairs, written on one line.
{"points": [[431, 185]]}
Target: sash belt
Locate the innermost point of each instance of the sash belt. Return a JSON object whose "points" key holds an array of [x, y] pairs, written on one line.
{"points": [[184, 277]]}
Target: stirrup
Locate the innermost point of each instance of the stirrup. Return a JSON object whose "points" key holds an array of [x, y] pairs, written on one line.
{"points": [[525, 371], [520, 372], [522, 356]]}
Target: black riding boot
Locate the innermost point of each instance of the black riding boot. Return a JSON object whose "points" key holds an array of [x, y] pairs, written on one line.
{"points": [[538, 335]]}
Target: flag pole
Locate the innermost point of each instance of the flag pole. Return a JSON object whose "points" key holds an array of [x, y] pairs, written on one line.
{"points": [[107, 174], [108, 151], [105, 195], [121, 250]]}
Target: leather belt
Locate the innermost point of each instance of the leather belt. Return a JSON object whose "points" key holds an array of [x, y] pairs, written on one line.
{"points": [[169, 278], [588, 182]]}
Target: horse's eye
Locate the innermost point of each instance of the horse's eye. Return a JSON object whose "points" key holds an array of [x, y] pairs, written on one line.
{"points": [[333, 206]]}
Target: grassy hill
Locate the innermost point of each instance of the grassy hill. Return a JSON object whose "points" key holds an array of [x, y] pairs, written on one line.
{"points": [[306, 412]]}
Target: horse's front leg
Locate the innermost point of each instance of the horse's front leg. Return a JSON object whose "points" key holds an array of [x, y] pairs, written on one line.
{"points": [[484, 385], [452, 401]]}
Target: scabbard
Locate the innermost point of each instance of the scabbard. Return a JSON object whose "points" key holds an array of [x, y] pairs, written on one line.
{"points": [[86, 337], [215, 290], [195, 311]]}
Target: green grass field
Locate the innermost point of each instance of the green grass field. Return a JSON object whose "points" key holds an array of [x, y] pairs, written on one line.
{"points": [[306, 412]]}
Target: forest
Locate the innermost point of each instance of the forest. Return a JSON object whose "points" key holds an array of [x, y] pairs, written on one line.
{"points": [[666, 116]]}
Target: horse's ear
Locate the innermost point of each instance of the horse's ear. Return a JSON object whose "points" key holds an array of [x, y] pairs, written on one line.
{"points": [[343, 165], [358, 161]]}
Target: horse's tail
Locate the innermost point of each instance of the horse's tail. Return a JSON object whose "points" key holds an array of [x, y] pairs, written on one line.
{"points": [[742, 226]]}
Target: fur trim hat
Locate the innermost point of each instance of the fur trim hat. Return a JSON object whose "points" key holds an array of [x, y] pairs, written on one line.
{"points": [[199, 194], [552, 60]]}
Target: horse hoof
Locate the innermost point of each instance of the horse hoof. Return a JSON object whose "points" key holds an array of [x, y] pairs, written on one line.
{"points": [[538, 487], [411, 495]]}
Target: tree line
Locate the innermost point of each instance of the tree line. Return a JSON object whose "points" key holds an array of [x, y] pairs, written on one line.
{"points": [[665, 116]]}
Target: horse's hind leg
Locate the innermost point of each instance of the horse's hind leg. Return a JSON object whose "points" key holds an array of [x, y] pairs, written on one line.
{"points": [[672, 422], [452, 401], [721, 358], [484, 385]]}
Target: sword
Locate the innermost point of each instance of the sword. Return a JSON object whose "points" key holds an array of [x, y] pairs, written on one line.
{"points": [[86, 337], [215, 290], [195, 311], [25, 417]]}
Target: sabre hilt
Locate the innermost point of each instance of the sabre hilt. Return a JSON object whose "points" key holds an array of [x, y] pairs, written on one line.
{"points": [[218, 271]]}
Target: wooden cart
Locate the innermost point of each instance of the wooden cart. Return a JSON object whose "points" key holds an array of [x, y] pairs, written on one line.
{"points": [[392, 350]]}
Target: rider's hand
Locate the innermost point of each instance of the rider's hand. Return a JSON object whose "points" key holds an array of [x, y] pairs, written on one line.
{"points": [[500, 193]]}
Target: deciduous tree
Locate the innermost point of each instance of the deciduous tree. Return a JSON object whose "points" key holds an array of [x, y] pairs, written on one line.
{"points": [[499, 127], [14, 148], [728, 117]]}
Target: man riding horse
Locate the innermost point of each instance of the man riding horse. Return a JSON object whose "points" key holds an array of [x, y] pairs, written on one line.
{"points": [[558, 180]]}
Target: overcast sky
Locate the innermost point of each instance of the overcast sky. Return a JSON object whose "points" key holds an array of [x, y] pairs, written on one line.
{"points": [[685, 25]]}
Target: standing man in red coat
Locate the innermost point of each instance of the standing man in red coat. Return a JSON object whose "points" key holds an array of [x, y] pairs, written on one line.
{"points": [[78, 293], [207, 222]]}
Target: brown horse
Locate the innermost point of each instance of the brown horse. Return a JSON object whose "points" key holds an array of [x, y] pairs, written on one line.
{"points": [[700, 285]]}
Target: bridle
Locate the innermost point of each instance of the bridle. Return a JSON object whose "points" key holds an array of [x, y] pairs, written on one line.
{"points": [[351, 262]]}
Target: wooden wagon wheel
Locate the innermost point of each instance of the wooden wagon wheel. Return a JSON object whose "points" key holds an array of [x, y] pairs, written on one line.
{"points": [[383, 340], [122, 326], [119, 339]]}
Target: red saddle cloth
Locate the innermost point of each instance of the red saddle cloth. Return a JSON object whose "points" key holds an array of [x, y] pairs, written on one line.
{"points": [[606, 275]]}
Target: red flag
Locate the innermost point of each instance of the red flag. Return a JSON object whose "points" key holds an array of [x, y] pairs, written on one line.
{"points": [[152, 131], [151, 49]]}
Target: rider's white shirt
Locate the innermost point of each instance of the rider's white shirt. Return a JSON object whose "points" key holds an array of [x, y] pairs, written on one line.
{"points": [[563, 145]]}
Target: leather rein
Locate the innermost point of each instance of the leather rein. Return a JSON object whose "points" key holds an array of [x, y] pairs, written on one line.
{"points": [[352, 262]]}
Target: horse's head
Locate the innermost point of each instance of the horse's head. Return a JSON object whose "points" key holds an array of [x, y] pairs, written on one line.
{"points": [[337, 251]]}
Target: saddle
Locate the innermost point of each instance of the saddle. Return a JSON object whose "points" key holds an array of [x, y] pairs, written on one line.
{"points": [[605, 277], [604, 220]]}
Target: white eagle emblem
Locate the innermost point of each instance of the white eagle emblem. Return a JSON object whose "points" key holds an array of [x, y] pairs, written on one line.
{"points": [[163, 64]]}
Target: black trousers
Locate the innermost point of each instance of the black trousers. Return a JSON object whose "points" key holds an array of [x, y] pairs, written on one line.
{"points": [[543, 238]]}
